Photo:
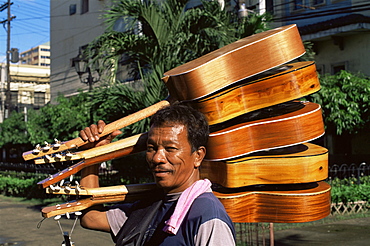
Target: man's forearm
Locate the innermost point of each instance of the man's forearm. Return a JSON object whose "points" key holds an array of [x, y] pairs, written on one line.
{"points": [[90, 176]]}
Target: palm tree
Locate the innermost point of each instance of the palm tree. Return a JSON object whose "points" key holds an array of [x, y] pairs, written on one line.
{"points": [[160, 35]]}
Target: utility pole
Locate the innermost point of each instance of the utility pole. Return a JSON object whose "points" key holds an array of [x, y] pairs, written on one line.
{"points": [[8, 102]]}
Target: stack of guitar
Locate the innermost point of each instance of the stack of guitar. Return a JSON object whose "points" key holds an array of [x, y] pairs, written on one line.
{"points": [[258, 157]]}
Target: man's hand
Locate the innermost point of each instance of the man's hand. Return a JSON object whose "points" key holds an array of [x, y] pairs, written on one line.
{"points": [[91, 134]]}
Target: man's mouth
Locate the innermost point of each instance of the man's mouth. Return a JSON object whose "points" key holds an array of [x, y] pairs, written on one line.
{"points": [[161, 172]]}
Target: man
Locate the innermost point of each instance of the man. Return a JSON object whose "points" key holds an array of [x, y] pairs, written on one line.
{"points": [[188, 213]]}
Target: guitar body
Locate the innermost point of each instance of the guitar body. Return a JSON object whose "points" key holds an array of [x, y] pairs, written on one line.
{"points": [[287, 129], [234, 62], [277, 204], [297, 164], [283, 84]]}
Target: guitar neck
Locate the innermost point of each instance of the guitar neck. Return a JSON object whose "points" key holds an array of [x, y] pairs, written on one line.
{"points": [[117, 190], [116, 125], [117, 149], [103, 195], [98, 155]]}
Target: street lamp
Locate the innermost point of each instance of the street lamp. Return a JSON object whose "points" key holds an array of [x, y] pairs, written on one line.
{"points": [[81, 66]]}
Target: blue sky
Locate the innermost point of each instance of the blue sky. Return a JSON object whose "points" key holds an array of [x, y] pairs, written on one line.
{"points": [[29, 29]]}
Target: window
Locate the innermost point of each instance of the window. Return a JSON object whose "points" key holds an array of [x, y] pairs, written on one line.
{"points": [[44, 49], [270, 6], [72, 9], [337, 67], [45, 57], [320, 69], [318, 2], [84, 6], [298, 4], [39, 99], [14, 98]]}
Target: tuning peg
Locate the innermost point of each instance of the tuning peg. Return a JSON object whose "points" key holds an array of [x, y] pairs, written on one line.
{"points": [[57, 143], [47, 146], [78, 213], [58, 217], [51, 177], [68, 215], [54, 188], [61, 182], [69, 154], [71, 178], [48, 157], [58, 156], [37, 149]]}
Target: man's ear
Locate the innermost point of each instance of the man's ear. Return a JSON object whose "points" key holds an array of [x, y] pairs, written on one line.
{"points": [[199, 156]]}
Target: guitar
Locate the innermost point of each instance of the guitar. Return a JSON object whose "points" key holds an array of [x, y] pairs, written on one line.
{"points": [[288, 82], [279, 126], [234, 62], [271, 203], [302, 163], [101, 195], [277, 46], [293, 203], [282, 84], [303, 123]]}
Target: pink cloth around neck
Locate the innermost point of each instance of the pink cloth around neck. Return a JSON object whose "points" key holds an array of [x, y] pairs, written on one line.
{"points": [[184, 203]]}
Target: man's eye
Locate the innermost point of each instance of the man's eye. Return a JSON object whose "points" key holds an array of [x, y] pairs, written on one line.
{"points": [[150, 148], [170, 149]]}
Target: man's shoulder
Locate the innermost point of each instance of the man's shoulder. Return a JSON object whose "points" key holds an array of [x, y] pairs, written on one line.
{"points": [[208, 207]]}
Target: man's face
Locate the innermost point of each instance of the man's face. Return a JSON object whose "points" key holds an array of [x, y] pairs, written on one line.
{"points": [[170, 158]]}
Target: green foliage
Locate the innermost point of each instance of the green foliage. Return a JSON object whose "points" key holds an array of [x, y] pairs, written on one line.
{"points": [[13, 130], [349, 190], [62, 121], [21, 185], [345, 99], [169, 35]]}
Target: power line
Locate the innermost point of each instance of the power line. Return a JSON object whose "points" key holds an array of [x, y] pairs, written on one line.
{"points": [[332, 11]]}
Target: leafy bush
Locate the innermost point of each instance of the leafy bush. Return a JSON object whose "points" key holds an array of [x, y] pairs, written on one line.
{"points": [[19, 184], [350, 190]]}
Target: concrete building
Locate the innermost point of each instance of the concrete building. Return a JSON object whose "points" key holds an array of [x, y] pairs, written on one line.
{"points": [[339, 30], [38, 56], [73, 24], [29, 86]]}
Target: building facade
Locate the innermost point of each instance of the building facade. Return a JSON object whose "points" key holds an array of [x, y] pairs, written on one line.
{"points": [[38, 56], [338, 29], [29, 87], [73, 24]]}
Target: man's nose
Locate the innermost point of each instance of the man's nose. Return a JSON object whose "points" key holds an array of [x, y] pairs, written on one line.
{"points": [[159, 156]]}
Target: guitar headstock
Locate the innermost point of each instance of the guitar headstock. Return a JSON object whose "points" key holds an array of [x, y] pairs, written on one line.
{"points": [[59, 157], [78, 205], [67, 172], [106, 152], [50, 149]]}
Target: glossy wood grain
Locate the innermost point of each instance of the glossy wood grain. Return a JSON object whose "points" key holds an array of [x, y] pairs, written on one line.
{"points": [[285, 83], [234, 62], [299, 126], [297, 164], [278, 204]]}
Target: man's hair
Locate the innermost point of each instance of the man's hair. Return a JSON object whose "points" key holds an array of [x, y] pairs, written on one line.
{"points": [[194, 121]]}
